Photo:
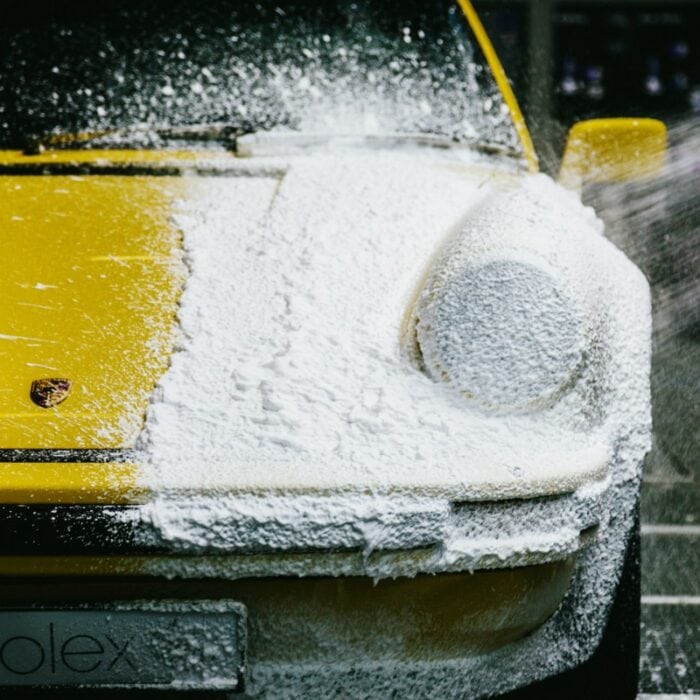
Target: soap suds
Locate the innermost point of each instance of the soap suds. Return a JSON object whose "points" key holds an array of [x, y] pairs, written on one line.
{"points": [[296, 418], [293, 368]]}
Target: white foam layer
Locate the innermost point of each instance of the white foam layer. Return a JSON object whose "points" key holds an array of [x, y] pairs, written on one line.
{"points": [[293, 371], [297, 372]]}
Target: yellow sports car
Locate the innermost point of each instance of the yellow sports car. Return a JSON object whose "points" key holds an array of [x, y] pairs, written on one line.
{"points": [[313, 386]]}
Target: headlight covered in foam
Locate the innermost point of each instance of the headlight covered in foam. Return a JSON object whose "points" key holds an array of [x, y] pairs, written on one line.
{"points": [[504, 332]]}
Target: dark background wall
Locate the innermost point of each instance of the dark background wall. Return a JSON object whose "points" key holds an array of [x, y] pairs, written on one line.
{"points": [[573, 59]]}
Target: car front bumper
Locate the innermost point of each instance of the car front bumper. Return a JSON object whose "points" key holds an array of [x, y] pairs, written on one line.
{"points": [[467, 598]]}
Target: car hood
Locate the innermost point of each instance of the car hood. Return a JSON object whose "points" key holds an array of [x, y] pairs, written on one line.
{"points": [[294, 372], [286, 366]]}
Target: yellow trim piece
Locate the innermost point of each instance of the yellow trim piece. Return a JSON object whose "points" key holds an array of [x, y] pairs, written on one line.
{"points": [[265, 566], [613, 150], [61, 482], [127, 258], [76, 565], [502, 81], [109, 156]]}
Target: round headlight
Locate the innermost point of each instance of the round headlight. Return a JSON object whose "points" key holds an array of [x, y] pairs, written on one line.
{"points": [[503, 332]]}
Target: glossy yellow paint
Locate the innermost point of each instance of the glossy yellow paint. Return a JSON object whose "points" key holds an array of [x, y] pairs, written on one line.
{"points": [[88, 292], [613, 150], [502, 81], [60, 482], [112, 157]]}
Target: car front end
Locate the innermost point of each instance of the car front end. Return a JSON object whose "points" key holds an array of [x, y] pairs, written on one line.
{"points": [[357, 412]]}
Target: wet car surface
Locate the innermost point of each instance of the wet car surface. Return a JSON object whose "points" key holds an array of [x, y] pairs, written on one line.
{"points": [[542, 387]]}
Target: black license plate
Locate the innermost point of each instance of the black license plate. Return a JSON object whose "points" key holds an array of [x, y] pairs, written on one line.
{"points": [[197, 645]]}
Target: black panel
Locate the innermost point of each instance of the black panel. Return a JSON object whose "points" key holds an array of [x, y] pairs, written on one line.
{"points": [[69, 529], [622, 60]]}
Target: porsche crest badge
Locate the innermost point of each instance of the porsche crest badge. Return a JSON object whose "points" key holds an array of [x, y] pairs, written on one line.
{"points": [[50, 392]]}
